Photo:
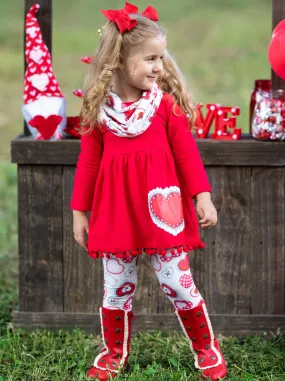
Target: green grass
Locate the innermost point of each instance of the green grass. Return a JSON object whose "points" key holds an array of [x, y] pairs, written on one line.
{"points": [[221, 47], [65, 356], [8, 242]]}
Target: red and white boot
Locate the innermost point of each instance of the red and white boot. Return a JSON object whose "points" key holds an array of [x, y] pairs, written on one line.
{"points": [[205, 347], [116, 335]]}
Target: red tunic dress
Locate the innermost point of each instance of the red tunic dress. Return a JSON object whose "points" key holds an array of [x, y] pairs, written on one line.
{"points": [[140, 190]]}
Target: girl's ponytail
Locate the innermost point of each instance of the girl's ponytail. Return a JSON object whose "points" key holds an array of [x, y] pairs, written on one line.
{"points": [[172, 82], [98, 80]]}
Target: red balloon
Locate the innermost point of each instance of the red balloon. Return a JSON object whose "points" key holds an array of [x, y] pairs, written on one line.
{"points": [[276, 52], [278, 28]]}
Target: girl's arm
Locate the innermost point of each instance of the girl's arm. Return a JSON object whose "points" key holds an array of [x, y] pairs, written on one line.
{"points": [[190, 167], [187, 158], [87, 171]]}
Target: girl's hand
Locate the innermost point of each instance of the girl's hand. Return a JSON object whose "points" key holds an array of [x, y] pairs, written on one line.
{"points": [[206, 210], [80, 225]]}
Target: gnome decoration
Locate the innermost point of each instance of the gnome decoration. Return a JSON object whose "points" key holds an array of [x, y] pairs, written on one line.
{"points": [[44, 106]]}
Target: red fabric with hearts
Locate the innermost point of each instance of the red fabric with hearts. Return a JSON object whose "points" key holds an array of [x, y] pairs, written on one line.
{"points": [[39, 76], [126, 289], [117, 177]]}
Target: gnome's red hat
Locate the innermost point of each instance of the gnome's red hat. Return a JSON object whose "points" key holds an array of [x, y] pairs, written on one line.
{"points": [[44, 104]]}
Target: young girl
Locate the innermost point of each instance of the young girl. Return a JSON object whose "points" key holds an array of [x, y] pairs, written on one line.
{"points": [[138, 172]]}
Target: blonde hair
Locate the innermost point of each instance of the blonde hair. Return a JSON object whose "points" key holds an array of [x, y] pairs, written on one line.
{"points": [[113, 48]]}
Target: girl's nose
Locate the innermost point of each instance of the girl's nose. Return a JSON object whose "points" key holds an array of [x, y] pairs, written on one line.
{"points": [[158, 67]]}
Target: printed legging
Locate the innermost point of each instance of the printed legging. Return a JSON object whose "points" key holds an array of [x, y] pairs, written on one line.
{"points": [[172, 271]]}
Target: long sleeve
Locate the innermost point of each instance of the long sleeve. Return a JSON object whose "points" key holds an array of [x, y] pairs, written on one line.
{"points": [[88, 165], [187, 158]]}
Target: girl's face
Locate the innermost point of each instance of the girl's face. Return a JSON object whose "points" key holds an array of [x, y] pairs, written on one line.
{"points": [[142, 69]]}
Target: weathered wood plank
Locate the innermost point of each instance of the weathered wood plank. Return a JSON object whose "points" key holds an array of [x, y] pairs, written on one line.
{"points": [[268, 240], [227, 257], [278, 14], [197, 260], [40, 238], [245, 152], [83, 276], [197, 263], [149, 297], [228, 325], [44, 17]]}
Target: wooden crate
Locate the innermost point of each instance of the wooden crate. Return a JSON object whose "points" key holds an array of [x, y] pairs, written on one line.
{"points": [[241, 273]]}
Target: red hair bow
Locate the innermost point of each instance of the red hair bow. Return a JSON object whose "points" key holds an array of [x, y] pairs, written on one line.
{"points": [[122, 19], [150, 13]]}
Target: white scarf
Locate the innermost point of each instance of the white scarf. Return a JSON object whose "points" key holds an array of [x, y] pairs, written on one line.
{"points": [[130, 121]]}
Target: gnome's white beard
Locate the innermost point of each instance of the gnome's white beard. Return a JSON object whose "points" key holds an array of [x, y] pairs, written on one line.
{"points": [[45, 106]]}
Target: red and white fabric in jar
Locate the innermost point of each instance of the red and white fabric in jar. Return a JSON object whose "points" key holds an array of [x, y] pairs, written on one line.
{"points": [[268, 122]]}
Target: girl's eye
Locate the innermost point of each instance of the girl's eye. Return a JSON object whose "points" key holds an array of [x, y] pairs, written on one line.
{"points": [[152, 59]]}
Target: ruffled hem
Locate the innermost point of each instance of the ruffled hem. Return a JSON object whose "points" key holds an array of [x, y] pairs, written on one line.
{"points": [[149, 251]]}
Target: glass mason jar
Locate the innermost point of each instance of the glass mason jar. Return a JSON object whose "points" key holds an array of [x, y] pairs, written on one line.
{"points": [[259, 85], [268, 119]]}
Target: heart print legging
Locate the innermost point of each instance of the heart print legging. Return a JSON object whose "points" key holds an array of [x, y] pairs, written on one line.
{"points": [[172, 271]]}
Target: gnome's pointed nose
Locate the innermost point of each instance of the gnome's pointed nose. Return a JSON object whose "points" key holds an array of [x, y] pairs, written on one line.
{"points": [[46, 126]]}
